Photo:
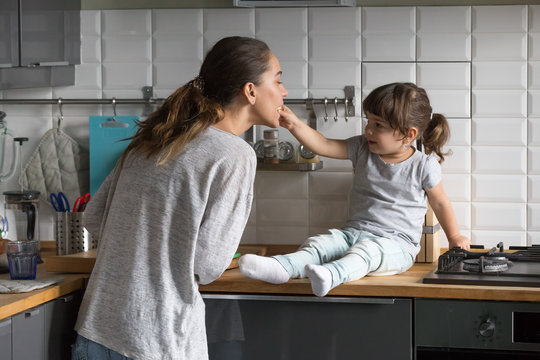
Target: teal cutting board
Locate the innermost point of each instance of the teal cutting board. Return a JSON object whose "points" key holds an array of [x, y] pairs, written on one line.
{"points": [[106, 145]]}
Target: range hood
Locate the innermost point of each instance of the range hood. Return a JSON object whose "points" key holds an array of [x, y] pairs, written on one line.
{"points": [[292, 3]]}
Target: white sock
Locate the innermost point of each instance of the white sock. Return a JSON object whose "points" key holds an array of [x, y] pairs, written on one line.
{"points": [[321, 279], [263, 268]]}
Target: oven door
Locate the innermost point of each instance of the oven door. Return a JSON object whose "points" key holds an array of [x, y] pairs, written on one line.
{"points": [[464, 329]]}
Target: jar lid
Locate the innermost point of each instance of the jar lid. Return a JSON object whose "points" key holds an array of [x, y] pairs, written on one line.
{"points": [[271, 134]]}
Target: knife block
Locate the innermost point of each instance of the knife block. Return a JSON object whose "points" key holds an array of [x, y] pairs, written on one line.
{"points": [[430, 247]]}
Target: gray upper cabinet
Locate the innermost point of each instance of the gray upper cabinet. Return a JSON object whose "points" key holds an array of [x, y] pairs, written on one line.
{"points": [[39, 42]]}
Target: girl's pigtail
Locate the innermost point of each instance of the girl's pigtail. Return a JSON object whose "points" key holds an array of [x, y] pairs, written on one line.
{"points": [[436, 135]]}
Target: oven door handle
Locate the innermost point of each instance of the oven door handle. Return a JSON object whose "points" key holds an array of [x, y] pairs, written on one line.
{"points": [[329, 299]]}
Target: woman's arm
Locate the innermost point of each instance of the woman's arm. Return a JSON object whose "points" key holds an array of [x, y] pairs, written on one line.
{"points": [[311, 138], [440, 203]]}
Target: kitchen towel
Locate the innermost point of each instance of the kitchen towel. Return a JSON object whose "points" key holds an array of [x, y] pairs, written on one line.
{"points": [[20, 286], [57, 164], [106, 145]]}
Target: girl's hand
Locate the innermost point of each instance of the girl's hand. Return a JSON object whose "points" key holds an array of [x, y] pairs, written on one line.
{"points": [[460, 241], [287, 118]]}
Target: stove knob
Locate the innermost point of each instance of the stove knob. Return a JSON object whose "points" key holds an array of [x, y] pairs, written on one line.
{"points": [[487, 328]]}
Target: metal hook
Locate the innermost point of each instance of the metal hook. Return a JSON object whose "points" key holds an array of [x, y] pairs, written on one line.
{"points": [[114, 108], [325, 109], [346, 109], [61, 117], [335, 108]]}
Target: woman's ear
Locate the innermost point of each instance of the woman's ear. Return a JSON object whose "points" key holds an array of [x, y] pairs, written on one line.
{"points": [[249, 92]]}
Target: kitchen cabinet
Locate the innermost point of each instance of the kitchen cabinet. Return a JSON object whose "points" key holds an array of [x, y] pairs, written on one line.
{"points": [[266, 327], [44, 332], [39, 42]]}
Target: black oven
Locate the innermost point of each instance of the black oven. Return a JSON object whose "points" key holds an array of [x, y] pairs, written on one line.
{"points": [[476, 330]]}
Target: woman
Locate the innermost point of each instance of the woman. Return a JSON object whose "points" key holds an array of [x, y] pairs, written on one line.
{"points": [[171, 214]]}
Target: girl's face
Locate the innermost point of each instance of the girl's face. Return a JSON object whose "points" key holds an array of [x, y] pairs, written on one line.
{"points": [[382, 139], [270, 94]]}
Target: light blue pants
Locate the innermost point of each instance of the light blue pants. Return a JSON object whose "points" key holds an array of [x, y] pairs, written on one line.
{"points": [[85, 349], [349, 254]]}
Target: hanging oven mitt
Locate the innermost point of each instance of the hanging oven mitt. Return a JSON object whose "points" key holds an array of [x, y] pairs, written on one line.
{"points": [[57, 164]]}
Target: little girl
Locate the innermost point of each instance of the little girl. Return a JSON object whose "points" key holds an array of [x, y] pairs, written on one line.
{"points": [[388, 198]]}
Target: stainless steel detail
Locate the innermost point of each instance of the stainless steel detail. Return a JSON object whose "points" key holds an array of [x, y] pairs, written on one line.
{"points": [[335, 109], [327, 299], [325, 109]]}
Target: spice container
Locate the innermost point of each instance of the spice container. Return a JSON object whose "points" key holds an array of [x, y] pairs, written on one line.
{"points": [[286, 151], [306, 155], [271, 148]]}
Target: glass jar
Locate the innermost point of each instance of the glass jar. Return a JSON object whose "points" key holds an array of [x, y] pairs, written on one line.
{"points": [[271, 148]]}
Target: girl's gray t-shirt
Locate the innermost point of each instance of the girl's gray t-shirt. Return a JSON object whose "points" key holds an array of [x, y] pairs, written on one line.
{"points": [[389, 200], [163, 230]]}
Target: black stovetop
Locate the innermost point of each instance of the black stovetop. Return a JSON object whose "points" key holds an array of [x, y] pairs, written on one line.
{"points": [[492, 267]]}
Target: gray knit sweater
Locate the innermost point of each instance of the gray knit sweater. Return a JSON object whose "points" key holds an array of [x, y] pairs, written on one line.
{"points": [[163, 231]]}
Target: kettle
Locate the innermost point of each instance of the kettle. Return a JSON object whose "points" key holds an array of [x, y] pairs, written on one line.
{"points": [[5, 134]]}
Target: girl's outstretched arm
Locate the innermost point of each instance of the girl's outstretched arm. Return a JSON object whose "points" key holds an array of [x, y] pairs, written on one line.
{"points": [[440, 203], [311, 138]]}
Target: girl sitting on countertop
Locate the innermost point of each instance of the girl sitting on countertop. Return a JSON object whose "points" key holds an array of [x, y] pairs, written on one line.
{"points": [[388, 198]]}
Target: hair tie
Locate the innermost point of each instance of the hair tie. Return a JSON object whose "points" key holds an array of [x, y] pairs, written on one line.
{"points": [[198, 83], [431, 116]]}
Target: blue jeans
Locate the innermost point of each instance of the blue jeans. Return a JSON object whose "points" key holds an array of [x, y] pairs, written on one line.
{"points": [[85, 349], [349, 254]]}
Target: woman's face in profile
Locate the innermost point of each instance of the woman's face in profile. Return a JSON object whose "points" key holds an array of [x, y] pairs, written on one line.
{"points": [[269, 95]]}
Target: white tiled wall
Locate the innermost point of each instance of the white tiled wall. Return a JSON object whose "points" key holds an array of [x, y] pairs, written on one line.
{"points": [[480, 66]]}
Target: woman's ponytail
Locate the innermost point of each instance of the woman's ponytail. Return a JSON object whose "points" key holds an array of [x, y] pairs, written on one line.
{"points": [[436, 135]]}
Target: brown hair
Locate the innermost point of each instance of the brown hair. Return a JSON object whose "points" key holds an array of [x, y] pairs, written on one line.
{"points": [[404, 105], [228, 66]]}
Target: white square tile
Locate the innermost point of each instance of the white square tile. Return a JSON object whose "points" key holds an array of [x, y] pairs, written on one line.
{"points": [[533, 103], [534, 18], [534, 46], [460, 132], [534, 74], [499, 47], [27, 110], [388, 47], [335, 48], [444, 76], [128, 76], [388, 20], [533, 217], [90, 23], [457, 186], [329, 213], [458, 162], [282, 212], [295, 78], [533, 188], [499, 188], [499, 103], [126, 22], [491, 238], [284, 235], [534, 131], [281, 21], [127, 49], [533, 156], [377, 74], [443, 47], [344, 21], [174, 74], [500, 75], [499, 131], [333, 185], [294, 47], [177, 22], [498, 19], [451, 103], [498, 216], [533, 237], [167, 48], [443, 19], [220, 23], [323, 74], [90, 49], [281, 185], [499, 160], [462, 210]]}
